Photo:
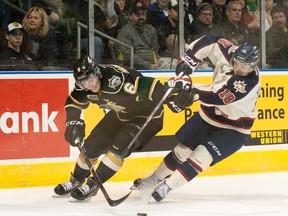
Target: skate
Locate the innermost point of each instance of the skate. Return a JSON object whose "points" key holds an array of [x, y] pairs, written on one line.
{"points": [[67, 187], [85, 191], [161, 191], [145, 183]]}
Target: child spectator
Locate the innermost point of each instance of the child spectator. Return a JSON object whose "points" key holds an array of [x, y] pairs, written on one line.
{"points": [[14, 38]]}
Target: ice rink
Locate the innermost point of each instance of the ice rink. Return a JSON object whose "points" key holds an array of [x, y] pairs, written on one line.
{"points": [[238, 195]]}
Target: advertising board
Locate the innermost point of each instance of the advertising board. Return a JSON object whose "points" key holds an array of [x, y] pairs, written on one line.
{"points": [[32, 118], [33, 151]]}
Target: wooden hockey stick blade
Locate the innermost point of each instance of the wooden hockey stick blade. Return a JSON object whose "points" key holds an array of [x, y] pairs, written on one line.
{"points": [[110, 201]]}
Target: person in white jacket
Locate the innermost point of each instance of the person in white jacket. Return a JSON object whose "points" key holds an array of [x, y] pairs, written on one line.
{"points": [[226, 114]]}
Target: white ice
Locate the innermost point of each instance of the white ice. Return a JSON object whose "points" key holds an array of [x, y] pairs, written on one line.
{"points": [[263, 194]]}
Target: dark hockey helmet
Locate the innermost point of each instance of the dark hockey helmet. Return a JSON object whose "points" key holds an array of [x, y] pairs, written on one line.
{"points": [[85, 68], [246, 54]]}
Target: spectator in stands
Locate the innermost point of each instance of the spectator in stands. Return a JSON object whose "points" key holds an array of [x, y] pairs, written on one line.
{"points": [[169, 26], [247, 16], [123, 17], [167, 34], [284, 5], [102, 22], [39, 41], [191, 8], [203, 24], [142, 37], [78, 10], [248, 19], [2, 44], [233, 29], [12, 50], [156, 12], [107, 25], [219, 11], [268, 18], [277, 39]]}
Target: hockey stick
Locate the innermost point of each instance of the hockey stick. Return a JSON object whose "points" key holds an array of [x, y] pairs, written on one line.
{"points": [[167, 93], [98, 181], [165, 96]]}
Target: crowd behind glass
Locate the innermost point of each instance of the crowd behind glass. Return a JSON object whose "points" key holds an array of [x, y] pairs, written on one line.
{"points": [[46, 37]]}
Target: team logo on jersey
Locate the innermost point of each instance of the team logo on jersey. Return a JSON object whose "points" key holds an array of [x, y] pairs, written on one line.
{"points": [[114, 81], [93, 97], [240, 86], [110, 105]]}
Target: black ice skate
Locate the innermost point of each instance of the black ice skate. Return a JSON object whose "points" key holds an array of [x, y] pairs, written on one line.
{"points": [[86, 190], [67, 187], [161, 191], [145, 183]]}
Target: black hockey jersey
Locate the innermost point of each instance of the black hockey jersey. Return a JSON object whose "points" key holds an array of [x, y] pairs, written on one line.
{"points": [[123, 90]]}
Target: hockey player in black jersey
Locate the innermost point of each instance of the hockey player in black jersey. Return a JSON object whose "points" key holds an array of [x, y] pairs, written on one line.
{"points": [[129, 98]]}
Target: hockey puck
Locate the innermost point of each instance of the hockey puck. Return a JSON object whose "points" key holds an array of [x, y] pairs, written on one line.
{"points": [[141, 214]]}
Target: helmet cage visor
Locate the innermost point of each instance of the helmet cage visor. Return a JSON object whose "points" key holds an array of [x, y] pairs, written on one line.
{"points": [[245, 65]]}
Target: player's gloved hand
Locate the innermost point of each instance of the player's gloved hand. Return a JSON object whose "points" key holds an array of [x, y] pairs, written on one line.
{"points": [[75, 132], [183, 67], [177, 103], [178, 83]]}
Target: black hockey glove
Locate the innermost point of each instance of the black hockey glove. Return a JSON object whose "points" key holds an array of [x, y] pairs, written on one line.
{"points": [[178, 83], [177, 103], [75, 132]]}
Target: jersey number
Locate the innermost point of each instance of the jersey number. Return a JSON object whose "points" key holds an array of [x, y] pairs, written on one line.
{"points": [[129, 88], [227, 96]]}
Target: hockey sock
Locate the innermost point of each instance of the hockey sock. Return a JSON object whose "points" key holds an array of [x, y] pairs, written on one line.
{"points": [[79, 173], [198, 161], [167, 166], [185, 173], [81, 170], [109, 165]]}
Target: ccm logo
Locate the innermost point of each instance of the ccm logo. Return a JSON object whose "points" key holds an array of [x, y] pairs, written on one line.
{"points": [[175, 107], [10, 121]]}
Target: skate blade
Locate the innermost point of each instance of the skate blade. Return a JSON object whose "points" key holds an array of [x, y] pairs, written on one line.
{"points": [[143, 187], [73, 200], [133, 187], [60, 196]]}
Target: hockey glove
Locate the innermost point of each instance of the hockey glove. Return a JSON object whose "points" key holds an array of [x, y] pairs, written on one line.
{"points": [[177, 103], [75, 132], [186, 65], [179, 83]]}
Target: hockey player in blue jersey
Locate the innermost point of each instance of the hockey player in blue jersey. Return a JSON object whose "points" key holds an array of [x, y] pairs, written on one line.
{"points": [[226, 114]]}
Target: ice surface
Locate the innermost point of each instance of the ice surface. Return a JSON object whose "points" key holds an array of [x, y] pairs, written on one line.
{"points": [[238, 195]]}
